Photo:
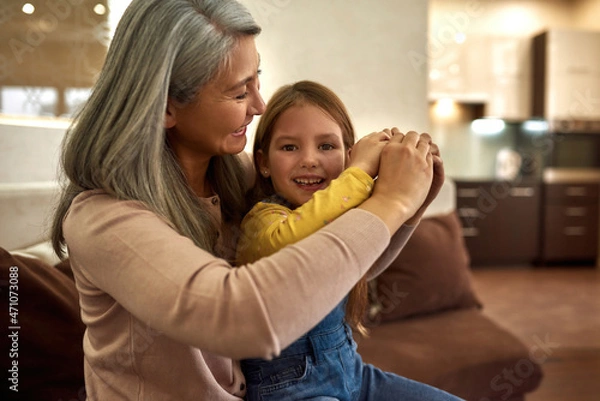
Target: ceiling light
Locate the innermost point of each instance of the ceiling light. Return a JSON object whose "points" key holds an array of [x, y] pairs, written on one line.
{"points": [[28, 8], [444, 107], [487, 126], [100, 9], [535, 126]]}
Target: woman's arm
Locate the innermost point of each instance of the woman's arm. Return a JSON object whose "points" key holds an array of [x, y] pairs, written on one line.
{"points": [[399, 240], [125, 255], [401, 237]]}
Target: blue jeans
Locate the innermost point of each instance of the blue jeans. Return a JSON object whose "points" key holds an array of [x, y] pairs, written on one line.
{"points": [[325, 366]]}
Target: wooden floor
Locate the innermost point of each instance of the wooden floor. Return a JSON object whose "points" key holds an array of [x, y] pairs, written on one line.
{"points": [[556, 313]]}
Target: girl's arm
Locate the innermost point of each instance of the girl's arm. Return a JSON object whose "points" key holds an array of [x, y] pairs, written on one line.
{"points": [[269, 227], [272, 219]]}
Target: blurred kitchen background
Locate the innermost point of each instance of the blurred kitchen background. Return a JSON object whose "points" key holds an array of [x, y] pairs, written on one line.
{"points": [[514, 91], [509, 89]]}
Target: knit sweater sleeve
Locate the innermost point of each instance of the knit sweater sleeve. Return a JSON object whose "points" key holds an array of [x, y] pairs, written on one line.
{"points": [[269, 227], [399, 240], [125, 256]]}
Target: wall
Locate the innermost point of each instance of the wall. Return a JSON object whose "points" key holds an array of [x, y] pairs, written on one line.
{"points": [[358, 48], [499, 17], [365, 51], [587, 14], [29, 149]]}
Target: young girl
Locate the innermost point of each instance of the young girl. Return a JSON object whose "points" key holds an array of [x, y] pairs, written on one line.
{"points": [[306, 178]]}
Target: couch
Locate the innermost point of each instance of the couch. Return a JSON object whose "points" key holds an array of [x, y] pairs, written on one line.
{"points": [[425, 322]]}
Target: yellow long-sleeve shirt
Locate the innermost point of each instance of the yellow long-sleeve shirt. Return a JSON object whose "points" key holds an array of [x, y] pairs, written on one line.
{"points": [[269, 226]]}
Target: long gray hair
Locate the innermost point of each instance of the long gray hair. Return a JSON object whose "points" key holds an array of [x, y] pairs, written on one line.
{"points": [[161, 49]]}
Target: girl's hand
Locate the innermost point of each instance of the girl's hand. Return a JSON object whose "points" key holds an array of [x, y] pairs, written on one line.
{"points": [[366, 152]]}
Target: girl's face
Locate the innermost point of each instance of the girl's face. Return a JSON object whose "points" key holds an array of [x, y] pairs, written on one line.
{"points": [[215, 122], [306, 152]]}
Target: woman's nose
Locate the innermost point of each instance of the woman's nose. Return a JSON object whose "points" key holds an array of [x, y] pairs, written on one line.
{"points": [[257, 107]]}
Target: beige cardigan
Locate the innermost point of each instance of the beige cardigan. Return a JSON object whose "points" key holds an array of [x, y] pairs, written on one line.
{"points": [[168, 321]]}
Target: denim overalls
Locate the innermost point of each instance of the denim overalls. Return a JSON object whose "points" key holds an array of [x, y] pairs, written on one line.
{"points": [[323, 365]]}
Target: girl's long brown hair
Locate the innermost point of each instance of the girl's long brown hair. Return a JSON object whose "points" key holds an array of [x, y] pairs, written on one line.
{"points": [[315, 94]]}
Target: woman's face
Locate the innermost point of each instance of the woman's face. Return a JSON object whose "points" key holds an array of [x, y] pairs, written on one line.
{"points": [[306, 152], [215, 122]]}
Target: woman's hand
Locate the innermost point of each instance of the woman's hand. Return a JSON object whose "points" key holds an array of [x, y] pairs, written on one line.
{"points": [[436, 184], [405, 178], [366, 152]]}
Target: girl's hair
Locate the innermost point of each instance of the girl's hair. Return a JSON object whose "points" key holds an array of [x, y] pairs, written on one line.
{"points": [[299, 94], [161, 49]]}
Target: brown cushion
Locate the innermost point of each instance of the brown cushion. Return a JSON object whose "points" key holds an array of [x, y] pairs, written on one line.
{"points": [[460, 351], [49, 330], [431, 273]]}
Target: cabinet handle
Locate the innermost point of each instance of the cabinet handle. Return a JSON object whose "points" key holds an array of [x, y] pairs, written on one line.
{"points": [[524, 192], [468, 212], [576, 191], [575, 211], [577, 231], [468, 192], [470, 231]]}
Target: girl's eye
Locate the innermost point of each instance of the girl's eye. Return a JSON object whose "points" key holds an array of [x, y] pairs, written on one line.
{"points": [[288, 148], [327, 146]]}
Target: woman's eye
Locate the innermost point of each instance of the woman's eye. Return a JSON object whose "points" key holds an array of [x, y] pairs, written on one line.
{"points": [[242, 97], [288, 148], [327, 146]]}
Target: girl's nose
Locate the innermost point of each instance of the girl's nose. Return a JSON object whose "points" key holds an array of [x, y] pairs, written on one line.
{"points": [[309, 159]]}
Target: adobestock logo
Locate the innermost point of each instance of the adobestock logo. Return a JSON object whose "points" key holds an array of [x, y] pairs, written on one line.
{"points": [[383, 299], [513, 377], [265, 10]]}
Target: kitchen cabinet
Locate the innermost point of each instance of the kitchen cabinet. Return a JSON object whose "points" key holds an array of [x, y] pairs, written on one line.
{"points": [[459, 70], [493, 70], [566, 66], [500, 220], [570, 222], [509, 83]]}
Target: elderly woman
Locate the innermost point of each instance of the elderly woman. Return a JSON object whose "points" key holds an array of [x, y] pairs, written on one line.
{"points": [[153, 198]]}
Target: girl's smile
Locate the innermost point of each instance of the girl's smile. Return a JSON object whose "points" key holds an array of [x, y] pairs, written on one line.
{"points": [[306, 152]]}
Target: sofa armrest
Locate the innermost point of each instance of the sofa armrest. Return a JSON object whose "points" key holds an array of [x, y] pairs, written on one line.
{"points": [[47, 328], [26, 213]]}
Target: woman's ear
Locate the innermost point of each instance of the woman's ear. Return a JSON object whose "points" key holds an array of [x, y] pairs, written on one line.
{"points": [[263, 164], [170, 120]]}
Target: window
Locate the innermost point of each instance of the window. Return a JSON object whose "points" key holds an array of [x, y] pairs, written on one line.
{"points": [[51, 53], [28, 100]]}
